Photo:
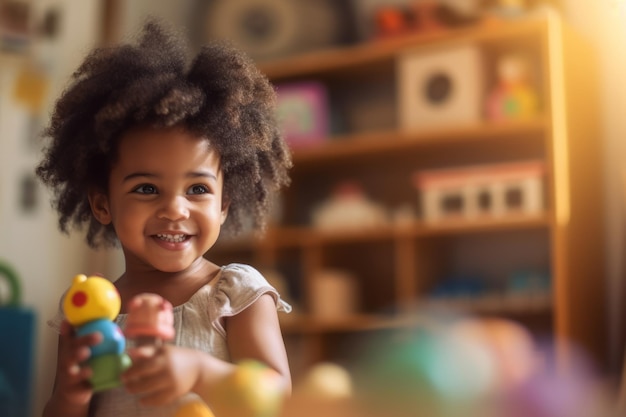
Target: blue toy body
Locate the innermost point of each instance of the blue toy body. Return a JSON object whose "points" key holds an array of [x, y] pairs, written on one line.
{"points": [[113, 341]]}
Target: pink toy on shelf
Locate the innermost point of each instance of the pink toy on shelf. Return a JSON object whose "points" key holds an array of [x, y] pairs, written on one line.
{"points": [[514, 96], [150, 320]]}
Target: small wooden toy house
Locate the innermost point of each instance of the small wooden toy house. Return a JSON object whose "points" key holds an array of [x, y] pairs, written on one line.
{"points": [[481, 191]]}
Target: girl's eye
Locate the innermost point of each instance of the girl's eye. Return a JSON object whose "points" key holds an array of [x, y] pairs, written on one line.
{"points": [[199, 189], [145, 189]]}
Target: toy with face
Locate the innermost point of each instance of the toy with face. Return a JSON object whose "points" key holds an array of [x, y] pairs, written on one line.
{"points": [[90, 305]]}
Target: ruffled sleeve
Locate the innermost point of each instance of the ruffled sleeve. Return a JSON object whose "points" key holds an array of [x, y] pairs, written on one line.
{"points": [[238, 287], [55, 322]]}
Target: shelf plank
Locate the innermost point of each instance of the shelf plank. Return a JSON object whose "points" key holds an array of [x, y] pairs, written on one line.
{"points": [[359, 145], [302, 237], [308, 324], [462, 227], [354, 57]]}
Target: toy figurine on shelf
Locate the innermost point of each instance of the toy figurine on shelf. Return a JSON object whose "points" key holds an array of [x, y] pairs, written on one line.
{"points": [[513, 97], [90, 305], [348, 207], [423, 16]]}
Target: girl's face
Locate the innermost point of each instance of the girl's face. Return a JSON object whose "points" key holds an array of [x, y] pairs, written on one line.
{"points": [[164, 198]]}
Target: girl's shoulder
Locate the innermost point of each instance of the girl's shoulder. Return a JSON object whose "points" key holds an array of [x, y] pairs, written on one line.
{"points": [[237, 287]]}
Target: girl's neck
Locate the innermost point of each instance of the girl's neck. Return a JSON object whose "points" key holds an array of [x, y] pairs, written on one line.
{"points": [[176, 287]]}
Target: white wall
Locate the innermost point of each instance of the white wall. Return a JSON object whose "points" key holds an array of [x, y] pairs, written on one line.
{"points": [[30, 241]]}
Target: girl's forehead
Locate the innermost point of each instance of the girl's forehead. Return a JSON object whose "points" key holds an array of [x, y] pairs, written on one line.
{"points": [[165, 145]]}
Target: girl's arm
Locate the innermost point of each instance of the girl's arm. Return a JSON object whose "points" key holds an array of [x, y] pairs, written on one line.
{"points": [[252, 334], [255, 334]]}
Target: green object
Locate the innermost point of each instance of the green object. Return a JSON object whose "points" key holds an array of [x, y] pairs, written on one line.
{"points": [[10, 276], [107, 370]]}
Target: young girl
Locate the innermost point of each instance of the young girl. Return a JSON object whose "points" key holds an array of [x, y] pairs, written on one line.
{"points": [[156, 154]]}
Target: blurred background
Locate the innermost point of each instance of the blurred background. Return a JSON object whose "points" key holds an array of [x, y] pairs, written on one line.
{"points": [[450, 155]]}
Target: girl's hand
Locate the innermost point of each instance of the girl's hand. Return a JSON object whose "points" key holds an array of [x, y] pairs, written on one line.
{"points": [[161, 375], [72, 385]]}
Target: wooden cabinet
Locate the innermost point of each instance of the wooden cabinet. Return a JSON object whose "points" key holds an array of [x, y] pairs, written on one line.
{"points": [[398, 264]]}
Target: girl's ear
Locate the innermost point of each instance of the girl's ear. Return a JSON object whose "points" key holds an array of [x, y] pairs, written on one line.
{"points": [[99, 204], [225, 205]]}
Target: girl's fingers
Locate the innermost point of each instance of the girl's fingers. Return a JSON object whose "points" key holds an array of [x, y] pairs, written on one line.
{"points": [[142, 352], [90, 339], [143, 369], [66, 328], [157, 398], [80, 373], [68, 333]]}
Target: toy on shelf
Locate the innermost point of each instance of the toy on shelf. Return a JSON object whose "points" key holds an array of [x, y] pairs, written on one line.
{"points": [[390, 21], [529, 289], [460, 286], [335, 294], [481, 191], [348, 207], [440, 87], [90, 305], [422, 16], [303, 113], [513, 97]]}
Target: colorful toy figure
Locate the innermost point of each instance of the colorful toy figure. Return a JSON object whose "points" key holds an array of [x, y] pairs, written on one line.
{"points": [[150, 320], [513, 97], [90, 305]]}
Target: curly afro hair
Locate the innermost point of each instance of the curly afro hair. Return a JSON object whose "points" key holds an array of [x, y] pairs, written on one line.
{"points": [[219, 95]]}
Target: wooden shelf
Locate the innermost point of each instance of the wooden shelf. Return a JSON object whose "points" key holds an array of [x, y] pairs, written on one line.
{"points": [[398, 264], [354, 146], [309, 324], [303, 237], [348, 59]]}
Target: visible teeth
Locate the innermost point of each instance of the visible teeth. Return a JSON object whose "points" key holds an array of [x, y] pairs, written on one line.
{"points": [[172, 238]]}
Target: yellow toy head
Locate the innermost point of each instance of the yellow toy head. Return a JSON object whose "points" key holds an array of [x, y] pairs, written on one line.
{"points": [[91, 298]]}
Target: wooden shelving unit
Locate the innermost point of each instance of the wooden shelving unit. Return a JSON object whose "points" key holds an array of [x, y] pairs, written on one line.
{"points": [[399, 262]]}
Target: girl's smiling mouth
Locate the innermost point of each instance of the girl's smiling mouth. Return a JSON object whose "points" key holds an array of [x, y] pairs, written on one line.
{"points": [[172, 238]]}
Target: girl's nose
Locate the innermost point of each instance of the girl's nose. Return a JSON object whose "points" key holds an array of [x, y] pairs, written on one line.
{"points": [[174, 208]]}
